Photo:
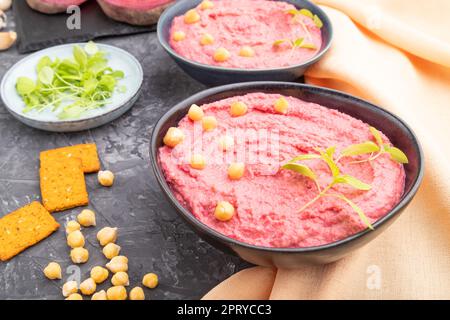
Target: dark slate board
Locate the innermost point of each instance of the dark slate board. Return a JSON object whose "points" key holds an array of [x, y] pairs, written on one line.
{"points": [[37, 31]]}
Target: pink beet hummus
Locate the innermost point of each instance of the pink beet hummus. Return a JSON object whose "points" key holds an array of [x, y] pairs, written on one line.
{"points": [[266, 199], [254, 23]]}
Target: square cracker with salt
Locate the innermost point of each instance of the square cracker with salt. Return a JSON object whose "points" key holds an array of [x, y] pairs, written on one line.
{"points": [[87, 153], [24, 228], [62, 184]]}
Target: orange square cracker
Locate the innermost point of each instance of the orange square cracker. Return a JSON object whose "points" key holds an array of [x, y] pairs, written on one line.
{"points": [[24, 228], [62, 184], [86, 152]]}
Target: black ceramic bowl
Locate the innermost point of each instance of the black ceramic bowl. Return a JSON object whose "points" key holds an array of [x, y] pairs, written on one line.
{"points": [[397, 131], [214, 75]]}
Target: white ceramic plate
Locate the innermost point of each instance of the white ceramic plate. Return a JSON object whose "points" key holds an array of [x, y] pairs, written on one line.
{"points": [[118, 59]]}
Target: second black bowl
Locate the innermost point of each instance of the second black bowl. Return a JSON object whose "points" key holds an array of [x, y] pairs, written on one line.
{"points": [[398, 132], [215, 75]]}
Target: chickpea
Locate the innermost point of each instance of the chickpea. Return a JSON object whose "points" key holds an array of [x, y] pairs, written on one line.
{"points": [[221, 55], [99, 274], [87, 218], [247, 52], [236, 170], [75, 239], [69, 287], [226, 143], [79, 255], [101, 295], [173, 137], [209, 123], [281, 105], [191, 16], [150, 280], [75, 296], [117, 293], [206, 39], [178, 36], [117, 264], [120, 279], [137, 294], [107, 235], [238, 109], [206, 4], [106, 178], [195, 113], [88, 287], [72, 226], [198, 162], [53, 271], [111, 250], [224, 211]]}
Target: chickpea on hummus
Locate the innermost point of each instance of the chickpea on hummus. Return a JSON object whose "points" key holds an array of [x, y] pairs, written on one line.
{"points": [[231, 177], [247, 34]]}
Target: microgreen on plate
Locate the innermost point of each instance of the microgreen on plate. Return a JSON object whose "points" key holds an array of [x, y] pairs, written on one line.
{"points": [[69, 87]]}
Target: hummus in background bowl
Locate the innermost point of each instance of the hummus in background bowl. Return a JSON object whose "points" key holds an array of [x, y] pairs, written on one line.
{"points": [[251, 40], [256, 34]]}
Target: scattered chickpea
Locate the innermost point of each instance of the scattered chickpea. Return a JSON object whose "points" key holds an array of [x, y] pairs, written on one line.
{"points": [[236, 170], [120, 279], [99, 274], [247, 52], [117, 293], [206, 39], [88, 287], [206, 4], [198, 162], [87, 218], [209, 123], [111, 250], [72, 226], [53, 271], [137, 294], [195, 113], [178, 36], [226, 143], [75, 296], [173, 137], [150, 280], [107, 235], [117, 264], [191, 16], [238, 109], [69, 288], [79, 255], [106, 178], [75, 239], [281, 105], [101, 295], [224, 211], [221, 55]]}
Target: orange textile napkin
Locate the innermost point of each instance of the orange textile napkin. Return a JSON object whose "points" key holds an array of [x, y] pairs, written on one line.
{"points": [[395, 53]]}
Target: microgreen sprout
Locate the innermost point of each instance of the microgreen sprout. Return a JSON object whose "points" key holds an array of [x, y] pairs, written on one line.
{"points": [[328, 156], [307, 13], [373, 149], [72, 86], [297, 43], [297, 18]]}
